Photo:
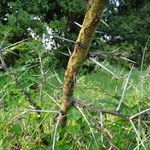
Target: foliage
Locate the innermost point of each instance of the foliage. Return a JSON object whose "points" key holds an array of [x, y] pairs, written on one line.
{"points": [[22, 19], [128, 23], [40, 72]]}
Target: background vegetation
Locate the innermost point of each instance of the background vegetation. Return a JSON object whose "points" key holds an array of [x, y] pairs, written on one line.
{"points": [[32, 37]]}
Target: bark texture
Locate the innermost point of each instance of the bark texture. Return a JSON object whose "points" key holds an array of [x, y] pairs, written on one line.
{"points": [[91, 20]]}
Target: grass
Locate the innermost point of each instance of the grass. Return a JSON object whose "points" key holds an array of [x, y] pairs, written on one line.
{"points": [[21, 131]]}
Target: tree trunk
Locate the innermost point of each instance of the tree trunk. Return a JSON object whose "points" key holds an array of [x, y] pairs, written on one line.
{"points": [[91, 20]]}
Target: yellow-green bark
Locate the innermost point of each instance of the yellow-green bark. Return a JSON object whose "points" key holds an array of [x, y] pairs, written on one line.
{"points": [[91, 20]]}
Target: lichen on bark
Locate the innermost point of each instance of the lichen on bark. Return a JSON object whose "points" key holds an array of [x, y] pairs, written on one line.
{"points": [[79, 56]]}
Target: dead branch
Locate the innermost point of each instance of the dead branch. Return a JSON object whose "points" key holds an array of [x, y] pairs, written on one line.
{"points": [[18, 84], [90, 107]]}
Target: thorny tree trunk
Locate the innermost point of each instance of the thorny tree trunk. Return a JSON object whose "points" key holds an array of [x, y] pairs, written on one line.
{"points": [[79, 56]]}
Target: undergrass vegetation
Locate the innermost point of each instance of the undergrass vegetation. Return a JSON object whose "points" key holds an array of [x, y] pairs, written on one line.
{"points": [[20, 127]]}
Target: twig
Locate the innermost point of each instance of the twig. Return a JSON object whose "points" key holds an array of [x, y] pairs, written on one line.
{"points": [[137, 147], [103, 111], [64, 54], [57, 76], [118, 55], [100, 127], [102, 21], [4, 66], [124, 90], [137, 133], [90, 107], [105, 133], [104, 53], [2, 104], [30, 100], [91, 130], [141, 71], [101, 121], [142, 63], [79, 25], [52, 99], [11, 45], [65, 39], [55, 132], [42, 77], [40, 111], [47, 111], [92, 54], [27, 69], [38, 127], [142, 112], [124, 58], [69, 51], [102, 66]]}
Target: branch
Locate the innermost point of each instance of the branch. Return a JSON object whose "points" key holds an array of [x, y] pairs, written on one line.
{"points": [[124, 90], [79, 103], [14, 76], [112, 54], [65, 39], [102, 66], [90, 107], [102, 21]]}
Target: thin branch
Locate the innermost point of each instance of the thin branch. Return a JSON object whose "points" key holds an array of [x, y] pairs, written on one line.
{"points": [[69, 51], [124, 58], [47, 111], [124, 90], [79, 103], [52, 99], [142, 112], [5, 36], [96, 53], [55, 132], [2, 103], [64, 54], [102, 21], [79, 25], [57, 76], [3, 64], [42, 76], [11, 45], [30, 100], [102, 66], [142, 63], [65, 39], [38, 127], [100, 127], [40, 111], [92, 54], [118, 55], [13, 75], [27, 111], [137, 133], [26, 70], [90, 107], [141, 70], [137, 147], [91, 129]]}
